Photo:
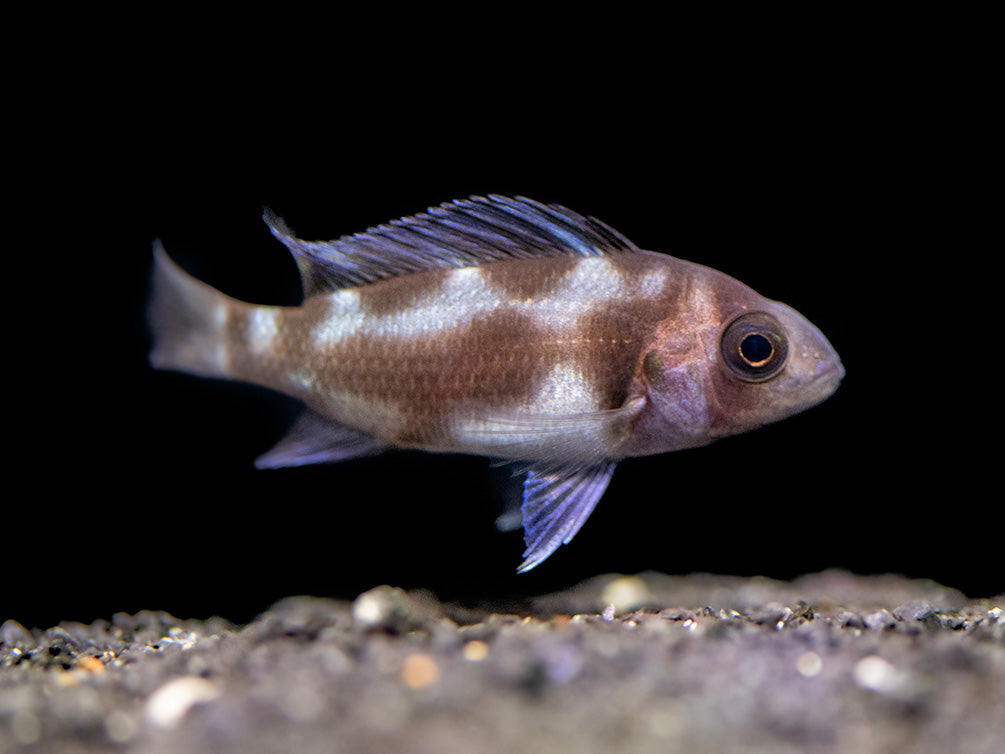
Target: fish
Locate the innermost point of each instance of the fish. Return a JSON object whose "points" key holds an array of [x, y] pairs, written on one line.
{"points": [[507, 328]]}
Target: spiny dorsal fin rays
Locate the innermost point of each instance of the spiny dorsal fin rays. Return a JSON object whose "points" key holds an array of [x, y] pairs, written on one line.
{"points": [[462, 233], [308, 255]]}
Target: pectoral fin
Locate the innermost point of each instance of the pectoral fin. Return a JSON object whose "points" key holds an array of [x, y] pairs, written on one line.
{"points": [[556, 503], [315, 439]]}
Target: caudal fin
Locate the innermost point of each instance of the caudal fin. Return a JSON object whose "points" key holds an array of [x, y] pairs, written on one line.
{"points": [[186, 319]]}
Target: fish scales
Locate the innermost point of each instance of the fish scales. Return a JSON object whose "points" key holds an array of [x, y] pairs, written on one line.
{"points": [[505, 328], [409, 358]]}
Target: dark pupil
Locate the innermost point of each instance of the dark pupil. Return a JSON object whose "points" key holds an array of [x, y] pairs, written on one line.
{"points": [[755, 349]]}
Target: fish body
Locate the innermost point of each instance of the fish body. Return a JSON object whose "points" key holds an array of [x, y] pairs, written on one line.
{"points": [[506, 328]]}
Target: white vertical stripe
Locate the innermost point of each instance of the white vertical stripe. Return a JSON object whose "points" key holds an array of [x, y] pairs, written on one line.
{"points": [[263, 326]]}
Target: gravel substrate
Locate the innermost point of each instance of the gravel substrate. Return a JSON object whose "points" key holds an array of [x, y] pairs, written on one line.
{"points": [[651, 663]]}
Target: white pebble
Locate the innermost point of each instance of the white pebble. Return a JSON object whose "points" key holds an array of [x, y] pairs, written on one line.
{"points": [[168, 704], [876, 674], [809, 664]]}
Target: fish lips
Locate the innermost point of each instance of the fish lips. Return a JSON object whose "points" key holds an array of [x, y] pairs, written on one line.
{"points": [[814, 369]]}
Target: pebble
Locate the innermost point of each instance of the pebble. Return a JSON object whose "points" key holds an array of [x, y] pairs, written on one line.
{"points": [[914, 610], [626, 593], [13, 634], [168, 704], [383, 607], [419, 671]]}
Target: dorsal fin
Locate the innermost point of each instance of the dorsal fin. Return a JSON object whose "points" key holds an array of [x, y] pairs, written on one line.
{"points": [[462, 233]]}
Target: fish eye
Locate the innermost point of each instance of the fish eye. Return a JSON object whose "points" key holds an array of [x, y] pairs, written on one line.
{"points": [[754, 347]]}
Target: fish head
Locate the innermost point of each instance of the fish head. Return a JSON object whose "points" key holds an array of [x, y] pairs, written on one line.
{"points": [[769, 363], [732, 362]]}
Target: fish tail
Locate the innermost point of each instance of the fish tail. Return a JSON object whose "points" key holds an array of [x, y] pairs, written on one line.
{"points": [[186, 319]]}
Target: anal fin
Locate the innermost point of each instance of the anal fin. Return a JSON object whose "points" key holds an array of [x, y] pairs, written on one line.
{"points": [[316, 439], [556, 503]]}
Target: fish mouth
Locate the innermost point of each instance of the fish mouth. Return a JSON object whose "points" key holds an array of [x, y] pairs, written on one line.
{"points": [[825, 382], [815, 367], [832, 372]]}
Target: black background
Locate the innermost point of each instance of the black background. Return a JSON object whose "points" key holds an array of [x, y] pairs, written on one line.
{"points": [[853, 191]]}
